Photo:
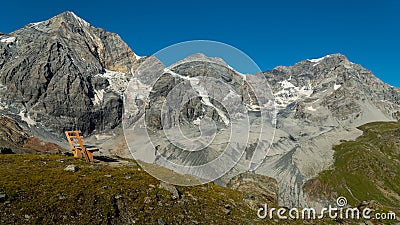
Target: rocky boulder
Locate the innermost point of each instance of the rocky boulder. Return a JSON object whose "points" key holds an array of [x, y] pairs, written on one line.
{"points": [[258, 189]]}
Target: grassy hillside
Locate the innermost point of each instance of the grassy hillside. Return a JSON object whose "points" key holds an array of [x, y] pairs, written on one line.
{"points": [[39, 191], [365, 169]]}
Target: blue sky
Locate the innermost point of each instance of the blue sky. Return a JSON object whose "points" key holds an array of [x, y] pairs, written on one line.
{"points": [[271, 32]]}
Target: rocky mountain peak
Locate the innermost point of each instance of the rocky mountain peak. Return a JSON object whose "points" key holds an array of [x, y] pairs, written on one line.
{"points": [[333, 71], [66, 20], [71, 17], [200, 58], [320, 102], [330, 61], [64, 73], [337, 57]]}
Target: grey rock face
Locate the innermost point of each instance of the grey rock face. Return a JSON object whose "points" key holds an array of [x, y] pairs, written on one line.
{"points": [[200, 115], [64, 73], [12, 136], [320, 102]]}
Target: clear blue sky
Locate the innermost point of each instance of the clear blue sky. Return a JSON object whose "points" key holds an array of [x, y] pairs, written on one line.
{"points": [[270, 32]]}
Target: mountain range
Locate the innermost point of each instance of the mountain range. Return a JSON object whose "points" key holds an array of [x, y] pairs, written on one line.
{"points": [[63, 74]]}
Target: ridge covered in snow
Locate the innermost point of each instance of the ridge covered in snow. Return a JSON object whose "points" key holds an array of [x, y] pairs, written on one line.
{"points": [[290, 93], [80, 20], [194, 82], [319, 59], [138, 57], [118, 82], [35, 24], [7, 40]]}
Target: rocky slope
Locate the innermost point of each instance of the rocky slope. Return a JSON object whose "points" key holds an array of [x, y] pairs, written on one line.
{"points": [[15, 139], [321, 102], [63, 73], [201, 115]]}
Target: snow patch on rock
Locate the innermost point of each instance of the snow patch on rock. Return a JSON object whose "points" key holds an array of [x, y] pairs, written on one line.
{"points": [[80, 20], [137, 56], [194, 82], [290, 93], [197, 121], [98, 96], [27, 119], [286, 84], [7, 40], [118, 81], [311, 108], [31, 25], [318, 60]]}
